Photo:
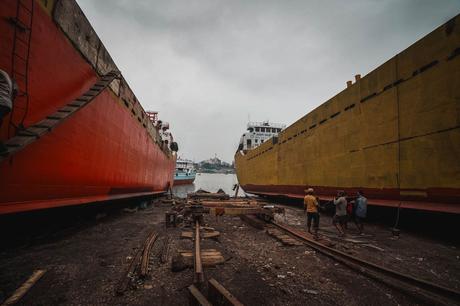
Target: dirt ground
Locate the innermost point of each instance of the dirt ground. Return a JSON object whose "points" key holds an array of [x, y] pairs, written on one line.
{"points": [[85, 263]]}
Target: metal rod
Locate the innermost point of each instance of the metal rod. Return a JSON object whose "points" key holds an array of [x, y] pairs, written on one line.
{"points": [[371, 267], [146, 253]]}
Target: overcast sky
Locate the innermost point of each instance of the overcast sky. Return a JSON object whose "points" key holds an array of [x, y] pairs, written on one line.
{"points": [[209, 66]]}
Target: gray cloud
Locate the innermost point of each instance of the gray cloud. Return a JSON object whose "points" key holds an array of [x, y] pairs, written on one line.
{"points": [[207, 65]]}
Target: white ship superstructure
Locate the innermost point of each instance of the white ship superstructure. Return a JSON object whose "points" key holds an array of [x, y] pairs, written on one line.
{"points": [[258, 132], [185, 172]]}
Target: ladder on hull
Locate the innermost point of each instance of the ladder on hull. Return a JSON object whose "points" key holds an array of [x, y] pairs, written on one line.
{"points": [[22, 23], [35, 131]]}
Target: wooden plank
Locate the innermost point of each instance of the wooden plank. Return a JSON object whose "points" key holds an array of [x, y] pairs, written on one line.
{"points": [[196, 298], [204, 253], [186, 235], [218, 295], [207, 261], [199, 277], [242, 211], [213, 234], [25, 287]]}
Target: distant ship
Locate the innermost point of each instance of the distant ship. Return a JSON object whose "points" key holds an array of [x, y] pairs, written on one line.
{"points": [[258, 132], [394, 134], [185, 172], [77, 133]]}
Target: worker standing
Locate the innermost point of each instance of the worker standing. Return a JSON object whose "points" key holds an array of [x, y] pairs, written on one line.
{"points": [[360, 212], [7, 92], [311, 207], [340, 217]]}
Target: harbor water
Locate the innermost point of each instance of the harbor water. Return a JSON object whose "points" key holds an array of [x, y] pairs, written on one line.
{"points": [[208, 181]]}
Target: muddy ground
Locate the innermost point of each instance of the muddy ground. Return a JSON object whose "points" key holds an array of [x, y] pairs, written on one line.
{"points": [[86, 260]]}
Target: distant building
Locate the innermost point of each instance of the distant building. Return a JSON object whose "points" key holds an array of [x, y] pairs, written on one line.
{"points": [[215, 165]]}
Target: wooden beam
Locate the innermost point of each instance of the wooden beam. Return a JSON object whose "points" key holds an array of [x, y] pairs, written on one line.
{"points": [[25, 287], [218, 295], [199, 277], [196, 298]]}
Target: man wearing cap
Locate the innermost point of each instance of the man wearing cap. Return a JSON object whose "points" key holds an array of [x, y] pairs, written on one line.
{"points": [[311, 207]]}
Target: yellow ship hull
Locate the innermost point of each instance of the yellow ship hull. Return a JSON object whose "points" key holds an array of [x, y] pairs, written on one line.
{"points": [[395, 134]]}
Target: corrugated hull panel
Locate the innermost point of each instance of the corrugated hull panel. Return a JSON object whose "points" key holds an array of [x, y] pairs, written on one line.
{"points": [[107, 150], [394, 133]]}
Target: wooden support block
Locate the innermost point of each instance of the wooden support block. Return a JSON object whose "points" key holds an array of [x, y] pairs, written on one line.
{"points": [[218, 295], [207, 228], [209, 257], [213, 234], [186, 235], [196, 298]]}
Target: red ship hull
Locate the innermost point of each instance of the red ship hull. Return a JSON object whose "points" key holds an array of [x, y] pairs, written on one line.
{"points": [[105, 151]]}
